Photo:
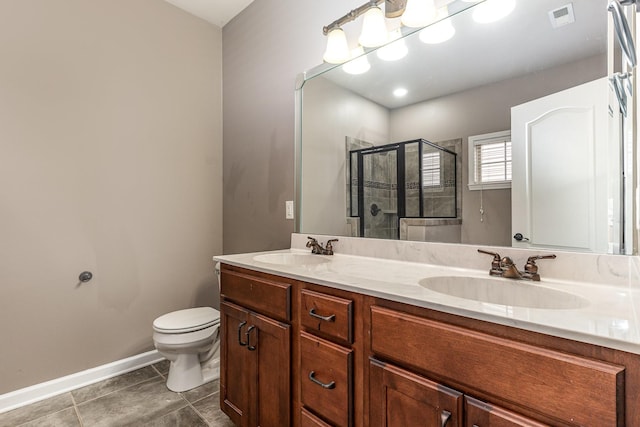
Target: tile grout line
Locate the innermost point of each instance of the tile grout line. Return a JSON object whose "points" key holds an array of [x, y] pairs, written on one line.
{"points": [[75, 408], [117, 390]]}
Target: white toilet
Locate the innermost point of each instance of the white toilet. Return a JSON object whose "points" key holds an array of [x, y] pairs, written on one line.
{"points": [[189, 339]]}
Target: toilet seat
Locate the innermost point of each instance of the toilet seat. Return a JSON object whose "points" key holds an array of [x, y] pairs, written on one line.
{"points": [[185, 321]]}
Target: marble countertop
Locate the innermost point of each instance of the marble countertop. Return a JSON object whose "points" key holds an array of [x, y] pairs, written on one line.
{"points": [[606, 316]]}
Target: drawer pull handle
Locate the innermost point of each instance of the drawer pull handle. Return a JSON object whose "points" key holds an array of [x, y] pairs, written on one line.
{"points": [[249, 346], [445, 416], [331, 318], [329, 386], [240, 334]]}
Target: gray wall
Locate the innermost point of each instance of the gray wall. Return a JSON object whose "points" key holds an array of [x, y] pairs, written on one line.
{"points": [[111, 161], [264, 49]]}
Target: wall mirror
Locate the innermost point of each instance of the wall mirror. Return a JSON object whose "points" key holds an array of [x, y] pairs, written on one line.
{"points": [[521, 88]]}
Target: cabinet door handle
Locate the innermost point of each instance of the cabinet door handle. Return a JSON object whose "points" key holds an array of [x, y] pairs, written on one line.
{"points": [[329, 386], [240, 334], [331, 318], [249, 346], [445, 416]]}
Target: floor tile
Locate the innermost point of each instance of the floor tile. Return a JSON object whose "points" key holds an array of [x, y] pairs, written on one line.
{"points": [[203, 391], [185, 417], [36, 410], [162, 367], [135, 405], [64, 418], [209, 408], [96, 390]]}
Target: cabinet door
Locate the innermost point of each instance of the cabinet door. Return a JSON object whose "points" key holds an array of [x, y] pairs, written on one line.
{"points": [[399, 398], [234, 375], [255, 369], [481, 414], [269, 349]]}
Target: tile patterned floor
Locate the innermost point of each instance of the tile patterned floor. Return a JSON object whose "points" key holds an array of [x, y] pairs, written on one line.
{"points": [[138, 398]]}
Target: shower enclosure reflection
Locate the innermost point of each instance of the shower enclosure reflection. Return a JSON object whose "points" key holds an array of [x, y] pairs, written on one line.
{"points": [[411, 179]]}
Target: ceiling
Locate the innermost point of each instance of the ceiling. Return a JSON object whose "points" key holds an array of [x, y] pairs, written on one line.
{"points": [[217, 12]]}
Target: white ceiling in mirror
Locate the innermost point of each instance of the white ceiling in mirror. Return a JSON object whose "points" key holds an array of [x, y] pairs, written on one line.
{"points": [[523, 42], [217, 12]]}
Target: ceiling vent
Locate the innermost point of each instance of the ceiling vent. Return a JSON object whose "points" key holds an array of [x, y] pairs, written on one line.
{"points": [[562, 16]]}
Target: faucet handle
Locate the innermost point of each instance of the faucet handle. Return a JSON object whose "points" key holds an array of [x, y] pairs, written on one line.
{"points": [[311, 241], [531, 268], [496, 269], [329, 246]]}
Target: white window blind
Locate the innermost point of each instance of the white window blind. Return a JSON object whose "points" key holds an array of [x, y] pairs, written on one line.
{"points": [[490, 161], [431, 169]]}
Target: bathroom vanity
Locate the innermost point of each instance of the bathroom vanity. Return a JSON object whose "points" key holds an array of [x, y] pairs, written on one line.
{"points": [[311, 340]]}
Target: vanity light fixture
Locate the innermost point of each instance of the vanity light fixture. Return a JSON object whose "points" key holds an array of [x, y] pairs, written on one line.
{"points": [[492, 10], [419, 13], [439, 32], [359, 64], [395, 50], [337, 48], [374, 29]]}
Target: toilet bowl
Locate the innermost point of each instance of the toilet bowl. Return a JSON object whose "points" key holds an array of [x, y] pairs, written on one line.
{"points": [[189, 339]]}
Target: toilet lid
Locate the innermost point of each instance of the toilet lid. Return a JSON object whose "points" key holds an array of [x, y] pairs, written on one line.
{"points": [[189, 320]]}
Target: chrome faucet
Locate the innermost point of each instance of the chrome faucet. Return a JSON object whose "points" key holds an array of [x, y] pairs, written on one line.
{"points": [[316, 248], [505, 267]]}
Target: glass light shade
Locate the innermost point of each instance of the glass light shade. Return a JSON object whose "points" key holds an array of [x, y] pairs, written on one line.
{"points": [[337, 48], [440, 31], [359, 64], [419, 13], [492, 10], [394, 50], [374, 29]]}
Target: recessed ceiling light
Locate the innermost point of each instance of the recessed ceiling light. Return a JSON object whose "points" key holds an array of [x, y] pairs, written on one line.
{"points": [[400, 92]]}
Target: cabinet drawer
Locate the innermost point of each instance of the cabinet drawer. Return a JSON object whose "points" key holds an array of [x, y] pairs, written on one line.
{"points": [[327, 315], [261, 295], [307, 419], [481, 414], [326, 379], [567, 387]]}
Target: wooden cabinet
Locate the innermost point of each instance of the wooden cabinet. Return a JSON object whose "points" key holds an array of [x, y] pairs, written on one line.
{"points": [[482, 414], [326, 358], [305, 355], [567, 389], [400, 398], [326, 379], [255, 375]]}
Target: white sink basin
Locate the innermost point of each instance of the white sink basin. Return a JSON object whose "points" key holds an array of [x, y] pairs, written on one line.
{"points": [[290, 259], [504, 292]]}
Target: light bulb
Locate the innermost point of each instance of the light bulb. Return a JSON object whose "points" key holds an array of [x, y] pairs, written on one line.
{"points": [[337, 48], [492, 10], [374, 29], [394, 50], [419, 13]]}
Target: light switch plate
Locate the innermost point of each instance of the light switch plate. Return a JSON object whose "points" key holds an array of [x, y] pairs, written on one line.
{"points": [[288, 209]]}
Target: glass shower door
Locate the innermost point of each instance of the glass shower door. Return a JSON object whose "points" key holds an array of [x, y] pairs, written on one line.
{"points": [[379, 193]]}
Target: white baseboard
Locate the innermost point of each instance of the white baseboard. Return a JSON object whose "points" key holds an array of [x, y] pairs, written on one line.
{"points": [[37, 392]]}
